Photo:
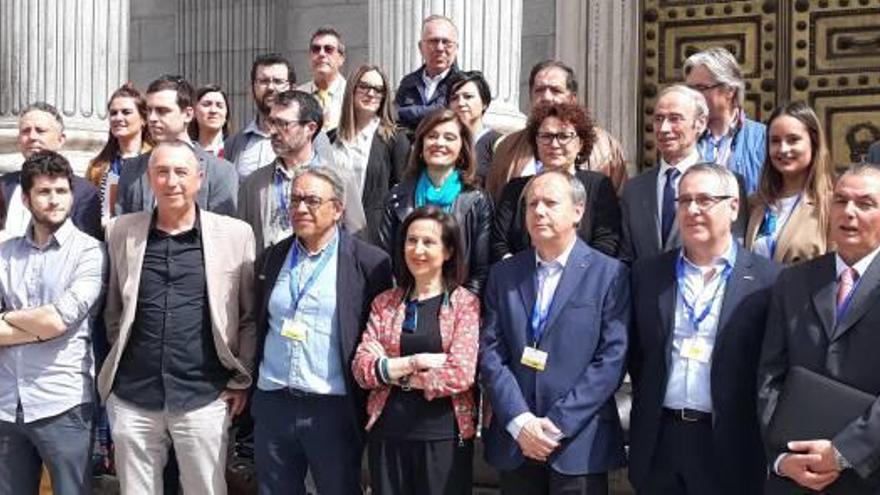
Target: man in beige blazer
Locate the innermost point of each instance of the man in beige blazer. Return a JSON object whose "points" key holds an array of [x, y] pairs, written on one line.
{"points": [[180, 322]]}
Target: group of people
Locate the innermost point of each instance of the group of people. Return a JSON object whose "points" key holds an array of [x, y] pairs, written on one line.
{"points": [[368, 268]]}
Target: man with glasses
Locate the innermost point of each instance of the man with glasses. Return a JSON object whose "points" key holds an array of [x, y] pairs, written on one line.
{"points": [[730, 138], [326, 56], [313, 297], [424, 90], [648, 201], [294, 121], [698, 325]]}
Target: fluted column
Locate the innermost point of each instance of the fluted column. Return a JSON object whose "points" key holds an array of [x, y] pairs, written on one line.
{"points": [[489, 41], [70, 54]]}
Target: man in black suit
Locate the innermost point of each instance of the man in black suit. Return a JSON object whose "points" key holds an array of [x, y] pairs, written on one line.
{"points": [[824, 315], [41, 127], [698, 325]]}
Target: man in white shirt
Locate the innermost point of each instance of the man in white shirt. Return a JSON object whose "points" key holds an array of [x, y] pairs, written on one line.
{"points": [[326, 56]]}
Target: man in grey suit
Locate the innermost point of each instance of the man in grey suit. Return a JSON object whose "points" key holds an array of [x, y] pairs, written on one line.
{"points": [[648, 201], [170, 101]]}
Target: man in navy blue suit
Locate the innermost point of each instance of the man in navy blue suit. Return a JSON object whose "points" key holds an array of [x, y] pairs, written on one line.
{"points": [[552, 352]]}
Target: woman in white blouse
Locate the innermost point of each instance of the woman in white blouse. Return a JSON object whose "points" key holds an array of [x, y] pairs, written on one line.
{"points": [[788, 219]]}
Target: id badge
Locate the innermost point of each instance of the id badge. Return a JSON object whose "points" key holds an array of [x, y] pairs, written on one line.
{"points": [[696, 349], [293, 330], [534, 358]]}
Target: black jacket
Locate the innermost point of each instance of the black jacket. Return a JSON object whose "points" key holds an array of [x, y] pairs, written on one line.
{"points": [[600, 226], [411, 106], [473, 212]]}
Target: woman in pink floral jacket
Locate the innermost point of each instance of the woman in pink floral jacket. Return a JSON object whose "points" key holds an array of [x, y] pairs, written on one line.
{"points": [[418, 359]]}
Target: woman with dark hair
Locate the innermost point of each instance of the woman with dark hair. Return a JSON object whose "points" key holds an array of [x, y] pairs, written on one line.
{"points": [[210, 124], [469, 97], [561, 133], [368, 142], [441, 173], [788, 216], [128, 137], [418, 358]]}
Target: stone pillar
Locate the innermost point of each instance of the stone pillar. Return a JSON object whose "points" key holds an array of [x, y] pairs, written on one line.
{"points": [[70, 54], [489, 41]]}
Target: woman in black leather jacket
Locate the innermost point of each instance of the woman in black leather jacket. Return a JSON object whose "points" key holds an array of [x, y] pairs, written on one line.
{"points": [[441, 173]]}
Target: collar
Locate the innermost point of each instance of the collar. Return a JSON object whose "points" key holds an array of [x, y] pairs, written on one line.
{"points": [[254, 128], [682, 166], [333, 240], [728, 258], [59, 237], [281, 168], [197, 225], [562, 259], [860, 266], [735, 123], [439, 77]]}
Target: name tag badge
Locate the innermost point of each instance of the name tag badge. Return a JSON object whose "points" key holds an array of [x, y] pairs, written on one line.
{"points": [[534, 358], [293, 330], [696, 349]]}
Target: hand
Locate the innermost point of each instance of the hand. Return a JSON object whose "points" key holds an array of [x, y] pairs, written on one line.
{"points": [[534, 442], [374, 348], [418, 380], [235, 400], [807, 465], [428, 361], [822, 448]]}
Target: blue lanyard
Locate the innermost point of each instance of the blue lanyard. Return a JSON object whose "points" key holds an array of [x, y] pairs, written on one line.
{"points": [[296, 294], [279, 192], [770, 221], [116, 165], [689, 306], [539, 317]]}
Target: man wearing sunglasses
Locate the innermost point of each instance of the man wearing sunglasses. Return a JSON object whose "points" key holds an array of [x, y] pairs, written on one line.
{"points": [[326, 56]]}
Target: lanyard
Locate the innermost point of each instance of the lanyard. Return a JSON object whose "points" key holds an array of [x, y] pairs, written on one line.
{"points": [[279, 192], [539, 314], [297, 293], [690, 307], [770, 221], [116, 165]]}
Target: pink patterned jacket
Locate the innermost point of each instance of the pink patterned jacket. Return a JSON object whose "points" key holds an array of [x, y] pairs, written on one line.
{"points": [[459, 331]]}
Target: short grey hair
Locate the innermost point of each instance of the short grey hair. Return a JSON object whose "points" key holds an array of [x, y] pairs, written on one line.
{"points": [[578, 192], [327, 174], [861, 169], [437, 18], [42, 106], [723, 67], [723, 174], [698, 99], [180, 145]]}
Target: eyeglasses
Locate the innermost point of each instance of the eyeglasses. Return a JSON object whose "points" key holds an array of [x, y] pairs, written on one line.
{"points": [[703, 201], [369, 88], [674, 119], [311, 202], [269, 81], [440, 42], [702, 88], [281, 124], [546, 138], [328, 49]]}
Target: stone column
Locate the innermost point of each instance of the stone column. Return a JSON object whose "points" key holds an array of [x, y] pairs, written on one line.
{"points": [[70, 54], [489, 41]]}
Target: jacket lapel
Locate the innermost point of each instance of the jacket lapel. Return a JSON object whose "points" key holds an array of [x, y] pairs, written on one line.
{"points": [[668, 295], [824, 298], [739, 280], [346, 279], [649, 204], [572, 275], [790, 230], [213, 265], [526, 283], [863, 299]]}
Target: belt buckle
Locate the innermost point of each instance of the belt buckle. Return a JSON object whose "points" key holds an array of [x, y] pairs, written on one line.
{"points": [[684, 415]]}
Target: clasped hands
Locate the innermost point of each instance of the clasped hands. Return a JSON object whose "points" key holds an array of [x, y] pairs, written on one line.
{"points": [[412, 367], [537, 438], [810, 463]]}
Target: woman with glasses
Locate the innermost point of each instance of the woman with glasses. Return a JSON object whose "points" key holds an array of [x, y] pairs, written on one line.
{"points": [[788, 217], [210, 126], [469, 97], [368, 142], [128, 137], [441, 173], [418, 358], [562, 134]]}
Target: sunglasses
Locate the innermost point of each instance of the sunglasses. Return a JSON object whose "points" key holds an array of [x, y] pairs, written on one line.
{"points": [[328, 49]]}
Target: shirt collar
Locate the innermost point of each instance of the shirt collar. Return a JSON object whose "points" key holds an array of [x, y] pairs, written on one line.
{"points": [[682, 166], [860, 266], [302, 249], [197, 225], [732, 129], [562, 259], [281, 168], [254, 128], [728, 258], [59, 237], [439, 77]]}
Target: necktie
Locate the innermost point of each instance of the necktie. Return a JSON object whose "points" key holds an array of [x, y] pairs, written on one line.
{"points": [[845, 285], [323, 97], [667, 216]]}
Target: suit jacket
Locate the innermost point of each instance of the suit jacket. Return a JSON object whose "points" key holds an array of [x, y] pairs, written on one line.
{"points": [[600, 226], [802, 238], [585, 338], [364, 271], [802, 331], [874, 153], [739, 456], [86, 209], [641, 221], [228, 251], [411, 105], [218, 192]]}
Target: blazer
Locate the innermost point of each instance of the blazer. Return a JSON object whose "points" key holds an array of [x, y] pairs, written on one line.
{"points": [[217, 194], [802, 331], [363, 272], [228, 251], [600, 226], [739, 457], [471, 209], [459, 333], [385, 165], [585, 338], [86, 209], [641, 220], [802, 238]]}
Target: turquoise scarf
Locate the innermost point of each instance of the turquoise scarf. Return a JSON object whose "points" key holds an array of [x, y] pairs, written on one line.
{"points": [[443, 196]]}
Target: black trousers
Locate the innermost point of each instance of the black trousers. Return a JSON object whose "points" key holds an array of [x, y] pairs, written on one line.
{"points": [[440, 467], [533, 478], [683, 460]]}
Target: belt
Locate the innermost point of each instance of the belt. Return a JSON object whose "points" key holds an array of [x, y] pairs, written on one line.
{"points": [[688, 415]]}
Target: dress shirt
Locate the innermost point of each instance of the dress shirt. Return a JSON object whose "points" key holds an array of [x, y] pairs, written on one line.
{"points": [[720, 149], [689, 385], [552, 275], [355, 155], [336, 90], [256, 153], [783, 210], [279, 215], [692, 159], [53, 376], [431, 83], [314, 364], [17, 216]]}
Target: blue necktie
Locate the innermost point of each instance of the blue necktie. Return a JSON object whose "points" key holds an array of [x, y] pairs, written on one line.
{"points": [[667, 216]]}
